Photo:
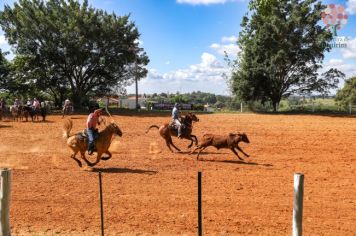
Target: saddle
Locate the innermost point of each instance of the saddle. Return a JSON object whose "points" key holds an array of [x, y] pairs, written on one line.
{"points": [[172, 126], [83, 136]]}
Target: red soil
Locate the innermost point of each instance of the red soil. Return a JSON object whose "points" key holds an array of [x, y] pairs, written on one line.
{"points": [[149, 190]]}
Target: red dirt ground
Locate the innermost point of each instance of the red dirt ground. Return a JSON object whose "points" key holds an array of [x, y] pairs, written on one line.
{"points": [[150, 191]]}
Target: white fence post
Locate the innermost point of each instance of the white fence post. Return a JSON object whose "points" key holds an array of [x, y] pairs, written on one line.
{"points": [[298, 204], [241, 107], [5, 190], [350, 108]]}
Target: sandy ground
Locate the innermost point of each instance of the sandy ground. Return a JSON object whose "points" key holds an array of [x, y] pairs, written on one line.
{"points": [[150, 191]]}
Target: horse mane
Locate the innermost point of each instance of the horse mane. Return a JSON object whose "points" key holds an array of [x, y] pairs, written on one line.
{"points": [[108, 128]]}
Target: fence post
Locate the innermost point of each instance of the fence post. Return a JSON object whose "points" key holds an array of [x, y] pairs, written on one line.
{"points": [[298, 204], [101, 205], [241, 106], [350, 108], [5, 186], [200, 225]]}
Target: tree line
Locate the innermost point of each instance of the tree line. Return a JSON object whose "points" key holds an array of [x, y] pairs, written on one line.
{"points": [[66, 48], [198, 99]]}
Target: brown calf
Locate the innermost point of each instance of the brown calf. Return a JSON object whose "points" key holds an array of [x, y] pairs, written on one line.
{"points": [[230, 141]]}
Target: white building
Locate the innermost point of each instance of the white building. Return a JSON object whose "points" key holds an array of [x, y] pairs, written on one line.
{"points": [[130, 102], [208, 108]]}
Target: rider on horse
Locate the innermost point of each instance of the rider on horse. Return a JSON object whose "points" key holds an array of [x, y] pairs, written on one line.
{"points": [[67, 103], [176, 119], [36, 105], [92, 131], [17, 103], [29, 102]]}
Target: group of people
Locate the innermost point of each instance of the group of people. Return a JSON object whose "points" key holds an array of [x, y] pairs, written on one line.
{"points": [[35, 103], [93, 119]]}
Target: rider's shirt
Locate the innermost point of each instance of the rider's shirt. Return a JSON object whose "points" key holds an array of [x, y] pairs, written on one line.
{"points": [[93, 119], [36, 104], [175, 113], [17, 103], [66, 103]]}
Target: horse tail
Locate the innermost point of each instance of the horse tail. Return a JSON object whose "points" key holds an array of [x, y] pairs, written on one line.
{"points": [[67, 127], [152, 126]]}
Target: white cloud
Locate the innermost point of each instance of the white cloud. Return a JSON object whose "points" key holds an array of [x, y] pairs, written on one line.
{"points": [[3, 40], [168, 62], [347, 68], [350, 50], [230, 49], [231, 39], [202, 2], [206, 76], [351, 6]]}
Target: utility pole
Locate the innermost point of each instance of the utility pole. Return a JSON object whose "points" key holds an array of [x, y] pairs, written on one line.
{"points": [[137, 106], [136, 81]]}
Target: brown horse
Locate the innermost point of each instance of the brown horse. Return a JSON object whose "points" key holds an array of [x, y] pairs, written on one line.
{"points": [[79, 143], [167, 131]]}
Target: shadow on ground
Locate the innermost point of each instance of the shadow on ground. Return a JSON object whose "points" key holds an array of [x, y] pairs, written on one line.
{"points": [[114, 170], [238, 162]]}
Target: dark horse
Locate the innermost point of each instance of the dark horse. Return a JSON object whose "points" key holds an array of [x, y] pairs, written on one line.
{"points": [[34, 113], [166, 131]]}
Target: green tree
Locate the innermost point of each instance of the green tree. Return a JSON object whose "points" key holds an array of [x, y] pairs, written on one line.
{"points": [[4, 71], [348, 93], [282, 48], [72, 48]]}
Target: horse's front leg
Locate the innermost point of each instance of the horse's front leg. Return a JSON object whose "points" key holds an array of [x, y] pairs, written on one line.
{"points": [[233, 150], [98, 157], [238, 148], [74, 158], [108, 157], [191, 142], [196, 139]]}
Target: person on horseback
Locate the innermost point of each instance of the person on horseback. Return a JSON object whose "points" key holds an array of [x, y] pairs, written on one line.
{"points": [[17, 103], [2, 104], [67, 103], [67, 106], [92, 131], [176, 119], [36, 105], [29, 102]]}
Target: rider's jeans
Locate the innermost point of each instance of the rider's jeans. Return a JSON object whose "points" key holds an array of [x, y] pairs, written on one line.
{"points": [[91, 137]]}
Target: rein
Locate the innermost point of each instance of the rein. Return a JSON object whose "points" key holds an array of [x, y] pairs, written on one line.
{"points": [[188, 122]]}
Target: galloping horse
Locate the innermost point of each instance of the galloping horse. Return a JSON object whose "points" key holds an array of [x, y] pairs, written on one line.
{"points": [[167, 131], [79, 142]]}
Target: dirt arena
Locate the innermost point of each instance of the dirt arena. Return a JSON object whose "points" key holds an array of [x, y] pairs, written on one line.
{"points": [[150, 191]]}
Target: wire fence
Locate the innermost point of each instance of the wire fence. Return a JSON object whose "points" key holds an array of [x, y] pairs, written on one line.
{"points": [[53, 206]]}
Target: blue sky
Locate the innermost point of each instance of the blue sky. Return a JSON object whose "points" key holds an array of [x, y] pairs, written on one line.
{"points": [[185, 41]]}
